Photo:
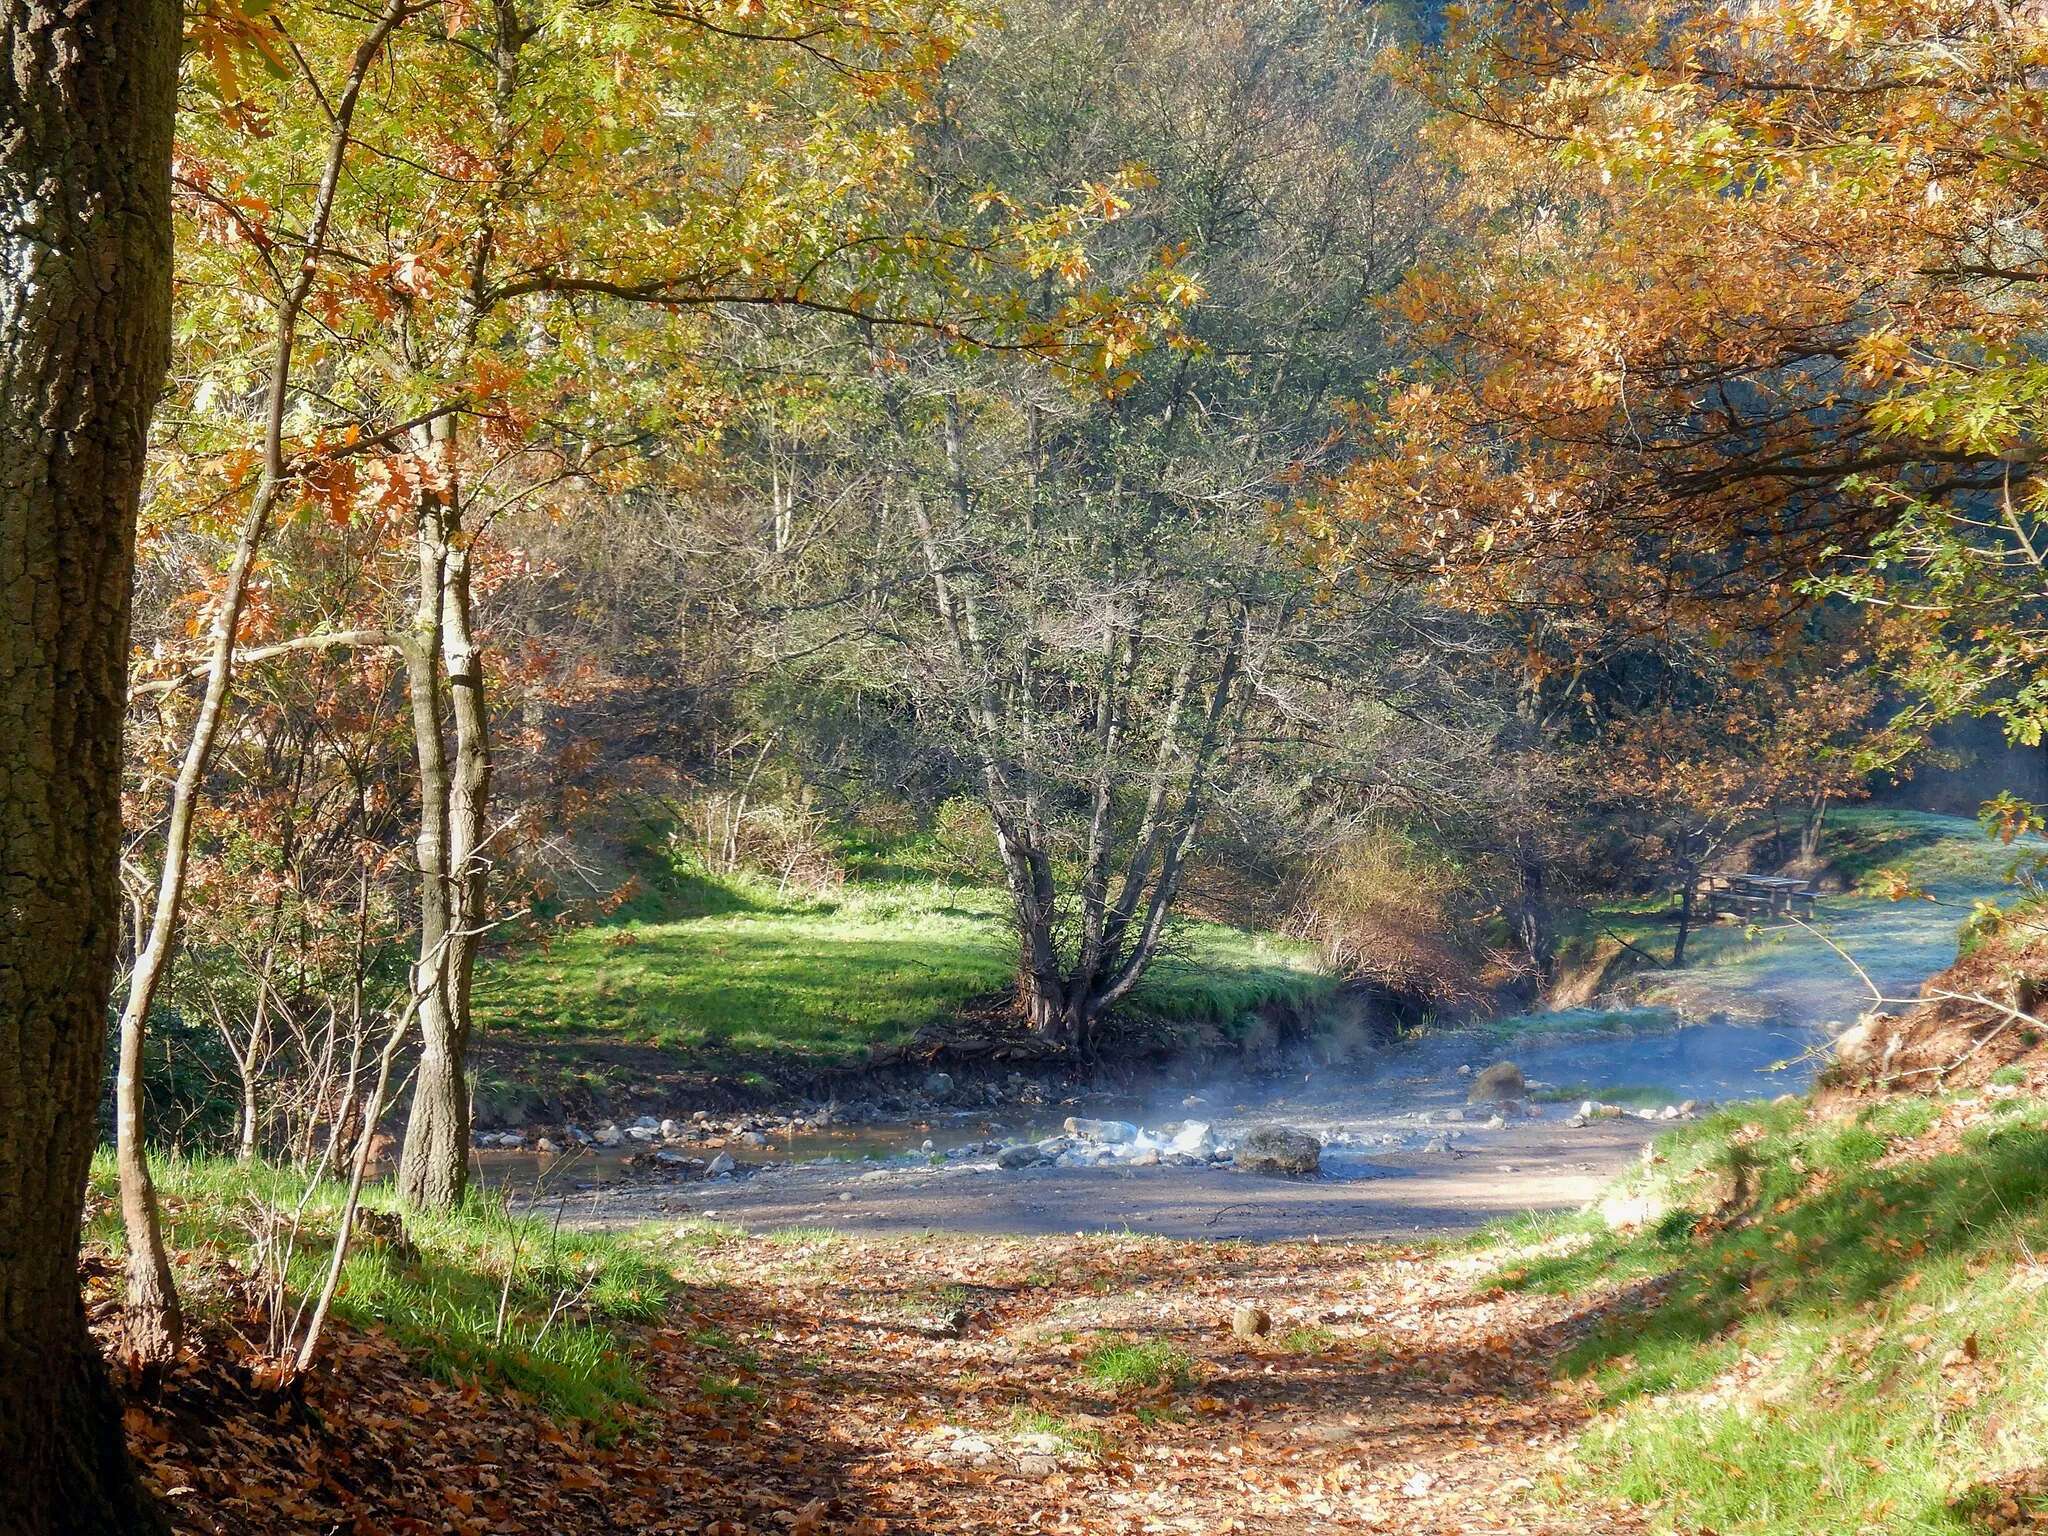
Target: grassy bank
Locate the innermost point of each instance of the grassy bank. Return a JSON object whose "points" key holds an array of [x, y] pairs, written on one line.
{"points": [[437, 1290], [1822, 1322], [829, 978]]}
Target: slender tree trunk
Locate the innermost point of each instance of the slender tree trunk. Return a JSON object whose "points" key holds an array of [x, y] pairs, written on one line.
{"points": [[152, 1317], [455, 798], [1810, 827], [86, 106], [423, 1163], [1688, 894]]}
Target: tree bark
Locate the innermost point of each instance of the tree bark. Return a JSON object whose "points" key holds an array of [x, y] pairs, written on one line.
{"points": [[454, 799], [86, 107]]}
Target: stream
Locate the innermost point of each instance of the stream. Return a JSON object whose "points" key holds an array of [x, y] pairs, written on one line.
{"points": [[1403, 1152]]}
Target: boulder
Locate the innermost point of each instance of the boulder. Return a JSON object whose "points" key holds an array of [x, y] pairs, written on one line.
{"points": [[722, 1163], [1502, 1080], [1194, 1138], [1022, 1156], [938, 1086], [1279, 1149], [1101, 1130]]}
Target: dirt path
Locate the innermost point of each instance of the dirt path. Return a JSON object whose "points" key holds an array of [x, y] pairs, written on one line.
{"points": [[844, 1387]]}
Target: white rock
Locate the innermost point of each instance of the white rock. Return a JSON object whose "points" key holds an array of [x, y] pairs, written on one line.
{"points": [[722, 1163], [1101, 1130], [1195, 1139]]}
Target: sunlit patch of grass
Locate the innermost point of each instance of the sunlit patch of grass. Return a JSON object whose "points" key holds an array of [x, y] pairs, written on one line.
{"points": [[1858, 1331], [1079, 1437], [1124, 1365], [1308, 1341], [833, 978]]}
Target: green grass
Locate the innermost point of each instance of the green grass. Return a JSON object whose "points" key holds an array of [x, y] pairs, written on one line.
{"points": [[1636, 1094], [1122, 1365], [570, 1290], [1854, 1343], [832, 978], [1308, 1341], [1078, 1437]]}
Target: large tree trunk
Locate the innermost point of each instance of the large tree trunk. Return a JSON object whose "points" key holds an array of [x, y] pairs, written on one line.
{"points": [[86, 105]]}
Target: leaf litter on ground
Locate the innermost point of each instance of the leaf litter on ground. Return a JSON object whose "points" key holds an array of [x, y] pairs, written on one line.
{"points": [[1399, 1392]]}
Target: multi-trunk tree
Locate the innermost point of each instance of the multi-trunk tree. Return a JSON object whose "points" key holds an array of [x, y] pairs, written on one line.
{"points": [[1076, 586]]}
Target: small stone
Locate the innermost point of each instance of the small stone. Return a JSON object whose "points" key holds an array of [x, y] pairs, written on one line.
{"points": [[754, 1139], [1019, 1156], [845, 1199], [670, 1130], [722, 1163], [1455, 1116], [610, 1136], [647, 1123], [938, 1086], [1037, 1467], [1465, 1070], [1496, 1124], [927, 1147], [1250, 1322], [1194, 1139]]}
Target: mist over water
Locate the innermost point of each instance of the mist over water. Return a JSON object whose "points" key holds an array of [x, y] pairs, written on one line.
{"points": [[1750, 1017]]}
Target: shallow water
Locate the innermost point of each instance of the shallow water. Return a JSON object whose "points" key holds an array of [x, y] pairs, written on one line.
{"points": [[1749, 1020]]}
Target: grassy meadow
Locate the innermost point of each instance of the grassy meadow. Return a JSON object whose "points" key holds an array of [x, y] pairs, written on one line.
{"points": [[829, 977]]}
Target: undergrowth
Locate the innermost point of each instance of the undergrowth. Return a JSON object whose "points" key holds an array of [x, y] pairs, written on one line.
{"points": [[438, 1295]]}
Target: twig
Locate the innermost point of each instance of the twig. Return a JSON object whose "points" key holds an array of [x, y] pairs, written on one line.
{"points": [[1661, 965]]}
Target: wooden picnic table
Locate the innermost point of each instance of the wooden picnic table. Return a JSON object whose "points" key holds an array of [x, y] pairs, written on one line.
{"points": [[1768, 894]]}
